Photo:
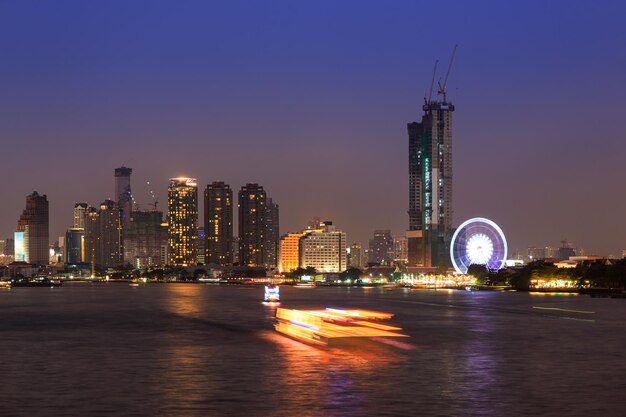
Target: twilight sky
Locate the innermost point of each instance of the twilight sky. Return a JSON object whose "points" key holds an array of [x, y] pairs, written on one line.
{"points": [[311, 100]]}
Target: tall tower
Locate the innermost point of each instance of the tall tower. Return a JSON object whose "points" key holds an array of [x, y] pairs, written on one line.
{"points": [[272, 234], [182, 235], [123, 196], [218, 223], [80, 213], [34, 224], [430, 185], [103, 242], [252, 225]]}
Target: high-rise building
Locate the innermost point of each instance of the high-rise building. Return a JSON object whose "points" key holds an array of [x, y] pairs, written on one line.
{"points": [[9, 247], [182, 236], [401, 250], [80, 212], [272, 234], [324, 249], [34, 223], [123, 196], [218, 223], [104, 243], [74, 246], [289, 252], [201, 243], [252, 225], [430, 185], [381, 248], [355, 256], [144, 238]]}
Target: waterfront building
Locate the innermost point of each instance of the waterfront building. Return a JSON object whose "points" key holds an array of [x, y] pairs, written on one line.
{"points": [[430, 185], [34, 224], [252, 226], [218, 224], [74, 245], [272, 234], [355, 256], [103, 242], [9, 247], [144, 239], [324, 249], [80, 213], [123, 195], [182, 204], [201, 246], [381, 248], [401, 250], [289, 252]]}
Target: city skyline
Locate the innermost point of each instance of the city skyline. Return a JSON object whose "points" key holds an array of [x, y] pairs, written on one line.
{"points": [[517, 158]]}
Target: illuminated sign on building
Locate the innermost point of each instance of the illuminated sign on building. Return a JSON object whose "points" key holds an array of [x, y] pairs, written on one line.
{"points": [[20, 248]]}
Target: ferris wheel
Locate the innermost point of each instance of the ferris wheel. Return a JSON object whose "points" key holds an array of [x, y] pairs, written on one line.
{"points": [[478, 241]]}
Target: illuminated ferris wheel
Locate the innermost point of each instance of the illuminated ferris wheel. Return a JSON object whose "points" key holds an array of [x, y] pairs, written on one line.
{"points": [[478, 241]]}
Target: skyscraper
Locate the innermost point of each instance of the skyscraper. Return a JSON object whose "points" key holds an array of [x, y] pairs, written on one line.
{"points": [[34, 224], [182, 207], [430, 185], [123, 196], [144, 239], [80, 212], [74, 246], [252, 199], [355, 256], [272, 234], [218, 223], [381, 248], [103, 243]]}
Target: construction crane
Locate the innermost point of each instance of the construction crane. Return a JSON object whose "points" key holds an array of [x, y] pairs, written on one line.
{"points": [[155, 201], [441, 88], [432, 84]]}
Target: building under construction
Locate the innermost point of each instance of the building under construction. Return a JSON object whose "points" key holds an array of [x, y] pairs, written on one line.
{"points": [[430, 179]]}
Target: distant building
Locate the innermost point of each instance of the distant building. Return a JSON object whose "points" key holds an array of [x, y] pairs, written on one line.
{"points": [[201, 246], [565, 251], [9, 247], [324, 249], [218, 224], [401, 250], [381, 248], [103, 243], [182, 204], [123, 195], [34, 224], [355, 256], [252, 226], [272, 234], [144, 239], [80, 213], [75, 246], [289, 252], [430, 185]]}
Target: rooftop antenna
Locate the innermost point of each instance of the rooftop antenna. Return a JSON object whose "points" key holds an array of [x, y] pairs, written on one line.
{"points": [[441, 88]]}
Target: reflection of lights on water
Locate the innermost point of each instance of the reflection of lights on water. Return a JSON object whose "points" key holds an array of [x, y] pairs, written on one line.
{"points": [[321, 326]]}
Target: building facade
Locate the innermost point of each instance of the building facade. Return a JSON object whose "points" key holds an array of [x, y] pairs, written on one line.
{"points": [[182, 237], [123, 195], [80, 212], [324, 249], [218, 224], [74, 243], [430, 185], [144, 239], [272, 234], [104, 243], [289, 252], [252, 227], [355, 256], [381, 248], [34, 224]]}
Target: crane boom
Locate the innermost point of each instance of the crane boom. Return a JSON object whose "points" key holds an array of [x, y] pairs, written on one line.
{"points": [[432, 82], [442, 87]]}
